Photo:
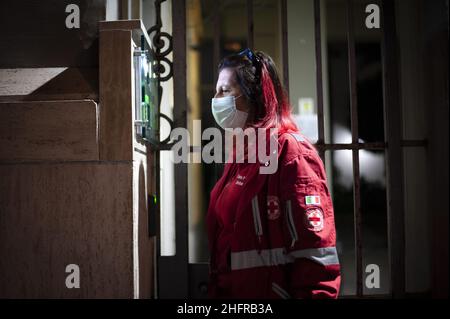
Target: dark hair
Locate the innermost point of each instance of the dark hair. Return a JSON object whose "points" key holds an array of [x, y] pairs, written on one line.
{"points": [[257, 76]]}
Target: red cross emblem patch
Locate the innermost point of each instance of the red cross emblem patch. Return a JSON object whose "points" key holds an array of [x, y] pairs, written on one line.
{"points": [[314, 219], [273, 207]]}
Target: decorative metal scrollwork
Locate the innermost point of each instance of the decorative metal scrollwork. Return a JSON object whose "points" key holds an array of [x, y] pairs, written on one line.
{"points": [[161, 48], [159, 40]]}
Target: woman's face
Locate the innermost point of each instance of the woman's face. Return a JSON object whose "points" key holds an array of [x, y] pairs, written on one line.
{"points": [[227, 85]]}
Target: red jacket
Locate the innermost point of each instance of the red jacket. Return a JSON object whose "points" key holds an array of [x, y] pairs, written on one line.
{"points": [[273, 236]]}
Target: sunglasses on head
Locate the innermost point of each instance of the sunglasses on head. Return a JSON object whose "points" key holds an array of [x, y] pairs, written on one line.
{"points": [[250, 55]]}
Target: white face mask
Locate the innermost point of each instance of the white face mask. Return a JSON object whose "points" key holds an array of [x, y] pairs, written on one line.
{"points": [[226, 114]]}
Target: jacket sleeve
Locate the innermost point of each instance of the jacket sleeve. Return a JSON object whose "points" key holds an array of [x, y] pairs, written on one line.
{"points": [[310, 230]]}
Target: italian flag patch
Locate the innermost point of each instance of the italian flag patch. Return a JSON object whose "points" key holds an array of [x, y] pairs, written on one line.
{"points": [[312, 200]]}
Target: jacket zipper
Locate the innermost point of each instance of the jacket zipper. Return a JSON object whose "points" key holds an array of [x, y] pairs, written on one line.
{"points": [[290, 222], [257, 219]]}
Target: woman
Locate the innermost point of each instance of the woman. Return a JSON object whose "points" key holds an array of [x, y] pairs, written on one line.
{"points": [[273, 235]]}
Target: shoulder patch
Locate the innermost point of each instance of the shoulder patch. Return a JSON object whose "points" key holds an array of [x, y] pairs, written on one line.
{"points": [[314, 219]]}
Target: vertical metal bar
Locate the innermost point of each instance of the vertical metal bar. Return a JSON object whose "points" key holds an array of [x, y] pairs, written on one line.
{"points": [[154, 182], [355, 152], [319, 80], [136, 9], [434, 38], [216, 36], [284, 44], [124, 9], [352, 71], [358, 222], [250, 24], [218, 168], [155, 167], [173, 270], [394, 157]]}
